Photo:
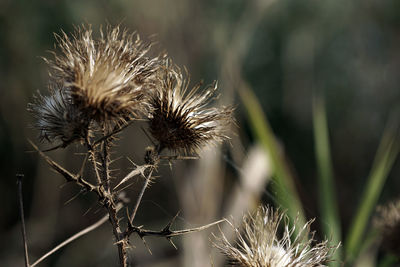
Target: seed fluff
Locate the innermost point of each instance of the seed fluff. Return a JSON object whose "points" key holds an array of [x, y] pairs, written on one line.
{"points": [[388, 222], [182, 120], [57, 118], [107, 77], [259, 244]]}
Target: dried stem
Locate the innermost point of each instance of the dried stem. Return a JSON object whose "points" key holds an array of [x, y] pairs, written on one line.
{"points": [[100, 105], [167, 232], [99, 155], [152, 159], [93, 158], [140, 196], [109, 203], [114, 132], [105, 198], [105, 167], [54, 147], [21, 209], [72, 238], [67, 175], [122, 243]]}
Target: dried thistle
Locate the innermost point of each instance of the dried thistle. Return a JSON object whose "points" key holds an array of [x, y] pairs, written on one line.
{"points": [[57, 118], [97, 84], [107, 77], [181, 120], [388, 221], [259, 245]]}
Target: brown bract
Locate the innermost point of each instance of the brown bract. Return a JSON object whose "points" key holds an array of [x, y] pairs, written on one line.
{"points": [[259, 243], [57, 118], [388, 221], [107, 77], [182, 120]]}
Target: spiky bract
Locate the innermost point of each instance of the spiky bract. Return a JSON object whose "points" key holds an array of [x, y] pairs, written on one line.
{"points": [[57, 118], [111, 80], [106, 76], [260, 245], [388, 221], [181, 119]]}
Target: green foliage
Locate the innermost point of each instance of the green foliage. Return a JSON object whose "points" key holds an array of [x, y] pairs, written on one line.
{"points": [[326, 192], [283, 183], [384, 159], [287, 195]]}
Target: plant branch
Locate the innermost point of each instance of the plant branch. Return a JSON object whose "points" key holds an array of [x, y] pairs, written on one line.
{"points": [[106, 199], [139, 199], [115, 131], [67, 175], [108, 203], [54, 148], [93, 157], [71, 239], [122, 242], [166, 232], [105, 167], [21, 209]]}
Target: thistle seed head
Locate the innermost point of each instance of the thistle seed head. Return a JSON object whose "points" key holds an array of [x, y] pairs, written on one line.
{"points": [[388, 221], [107, 77], [260, 245], [57, 118], [182, 120]]}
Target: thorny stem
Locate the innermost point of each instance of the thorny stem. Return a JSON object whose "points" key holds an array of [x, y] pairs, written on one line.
{"points": [[109, 203], [167, 232], [21, 209], [106, 163], [67, 175], [152, 158], [99, 155], [105, 199], [122, 243], [139, 199], [92, 152], [114, 132]]}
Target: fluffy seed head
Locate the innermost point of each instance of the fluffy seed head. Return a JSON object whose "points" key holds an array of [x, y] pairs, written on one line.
{"points": [[260, 245], [57, 118], [182, 120], [106, 76], [388, 221]]}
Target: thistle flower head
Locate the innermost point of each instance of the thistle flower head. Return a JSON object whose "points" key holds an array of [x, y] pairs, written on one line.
{"points": [[57, 119], [181, 119], [388, 221], [260, 245], [105, 76]]}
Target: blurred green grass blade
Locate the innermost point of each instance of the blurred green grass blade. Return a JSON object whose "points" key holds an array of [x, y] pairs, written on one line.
{"points": [[327, 200], [284, 185], [384, 159]]}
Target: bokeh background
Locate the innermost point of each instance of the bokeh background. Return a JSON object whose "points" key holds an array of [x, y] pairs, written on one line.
{"points": [[285, 50]]}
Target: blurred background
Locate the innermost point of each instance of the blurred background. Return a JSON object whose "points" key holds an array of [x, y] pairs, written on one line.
{"points": [[286, 52]]}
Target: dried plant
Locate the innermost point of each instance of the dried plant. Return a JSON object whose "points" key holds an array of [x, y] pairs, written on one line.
{"points": [[259, 243], [181, 120], [107, 78], [388, 222], [97, 88], [57, 118]]}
